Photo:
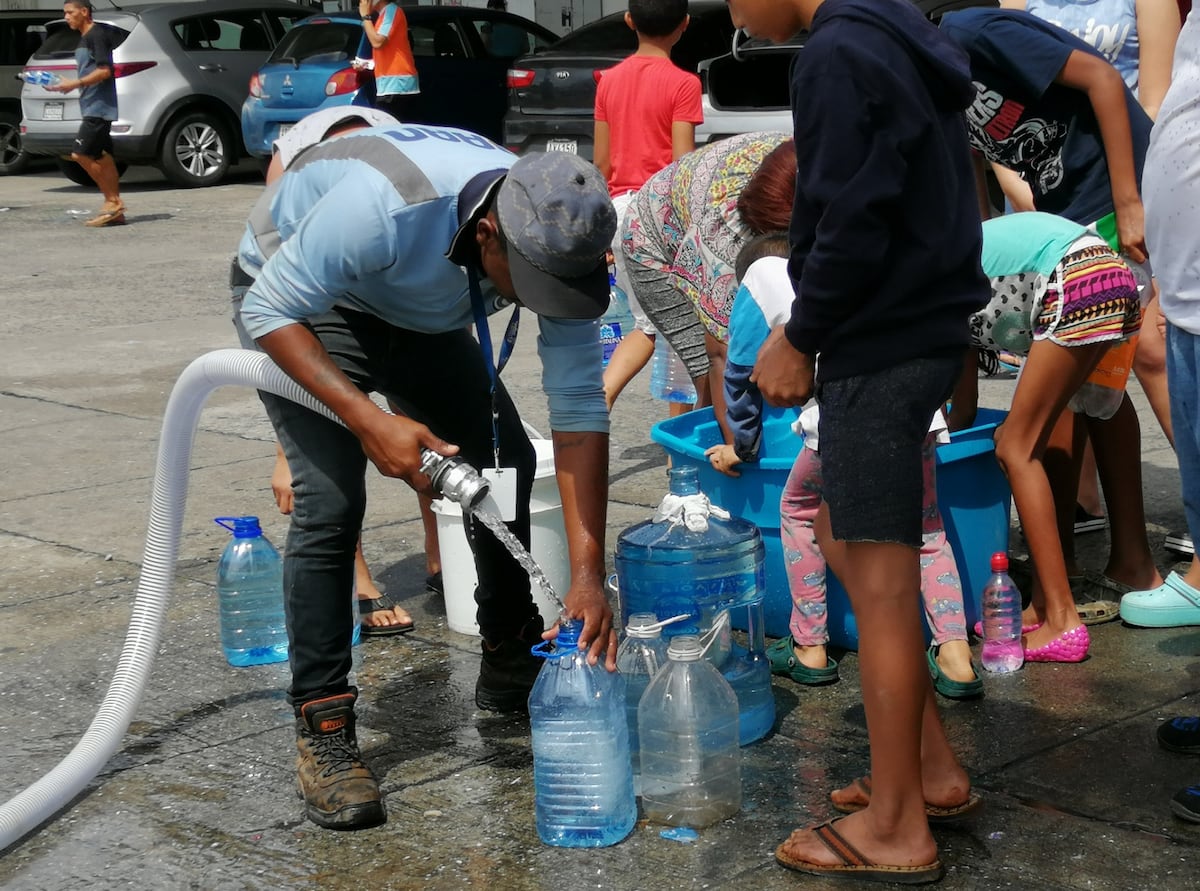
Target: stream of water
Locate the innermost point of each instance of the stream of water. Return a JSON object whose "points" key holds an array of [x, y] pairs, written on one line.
{"points": [[519, 553]]}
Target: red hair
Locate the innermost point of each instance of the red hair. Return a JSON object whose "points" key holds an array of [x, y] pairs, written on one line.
{"points": [[765, 204]]}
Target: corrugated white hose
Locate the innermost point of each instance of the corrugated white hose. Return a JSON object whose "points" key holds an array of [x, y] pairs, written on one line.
{"points": [[50, 794]]}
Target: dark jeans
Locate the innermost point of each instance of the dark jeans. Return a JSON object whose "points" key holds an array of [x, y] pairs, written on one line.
{"points": [[440, 380]]}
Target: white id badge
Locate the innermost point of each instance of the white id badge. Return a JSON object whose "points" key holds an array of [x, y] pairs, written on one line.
{"points": [[502, 496]]}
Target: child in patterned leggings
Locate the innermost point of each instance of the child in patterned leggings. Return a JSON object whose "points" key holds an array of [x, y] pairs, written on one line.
{"points": [[941, 589], [764, 300]]}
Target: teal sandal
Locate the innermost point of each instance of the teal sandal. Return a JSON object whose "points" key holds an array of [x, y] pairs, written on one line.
{"points": [[783, 660], [949, 687]]}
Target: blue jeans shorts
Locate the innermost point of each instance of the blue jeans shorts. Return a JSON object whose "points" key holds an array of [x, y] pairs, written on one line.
{"points": [[872, 431]]}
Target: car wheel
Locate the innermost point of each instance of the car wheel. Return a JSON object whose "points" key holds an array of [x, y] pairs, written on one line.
{"points": [[13, 159], [196, 151], [78, 175]]}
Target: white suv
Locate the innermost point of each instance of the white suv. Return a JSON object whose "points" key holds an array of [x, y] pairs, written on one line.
{"points": [[181, 72]]}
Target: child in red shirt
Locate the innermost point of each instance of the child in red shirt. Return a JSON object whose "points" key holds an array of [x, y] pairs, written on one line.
{"points": [[646, 114]]}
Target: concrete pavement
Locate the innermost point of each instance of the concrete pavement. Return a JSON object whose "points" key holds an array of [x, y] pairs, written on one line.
{"points": [[96, 329]]}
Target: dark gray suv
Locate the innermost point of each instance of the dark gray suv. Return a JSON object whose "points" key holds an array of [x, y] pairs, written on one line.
{"points": [[181, 73]]}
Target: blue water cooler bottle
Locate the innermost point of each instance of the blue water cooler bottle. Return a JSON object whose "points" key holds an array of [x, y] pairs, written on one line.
{"points": [[250, 592], [582, 779], [693, 558]]}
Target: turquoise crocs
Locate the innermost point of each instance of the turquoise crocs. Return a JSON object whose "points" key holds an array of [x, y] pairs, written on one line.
{"points": [[783, 661], [1173, 604]]}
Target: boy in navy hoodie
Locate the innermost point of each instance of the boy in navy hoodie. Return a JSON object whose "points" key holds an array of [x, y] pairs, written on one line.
{"points": [[885, 247]]}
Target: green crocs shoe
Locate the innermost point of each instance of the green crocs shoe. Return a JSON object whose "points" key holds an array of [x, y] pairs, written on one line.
{"points": [[949, 687], [783, 660]]}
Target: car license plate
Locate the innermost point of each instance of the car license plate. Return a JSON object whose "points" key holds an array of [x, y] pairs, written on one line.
{"points": [[562, 145], [283, 128], [52, 111]]}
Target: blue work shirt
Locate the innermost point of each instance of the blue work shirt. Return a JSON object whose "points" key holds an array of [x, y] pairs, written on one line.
{"points": [[363, 221]]}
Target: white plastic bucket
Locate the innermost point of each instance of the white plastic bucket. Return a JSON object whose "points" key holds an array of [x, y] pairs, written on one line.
{"points": [[548, 545]]}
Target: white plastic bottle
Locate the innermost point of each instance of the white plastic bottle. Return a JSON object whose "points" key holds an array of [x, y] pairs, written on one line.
{"points": [[669, 380], [641, 654]]}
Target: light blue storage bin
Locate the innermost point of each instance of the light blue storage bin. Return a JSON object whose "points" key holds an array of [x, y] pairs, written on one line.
{"points": [[973, 496]]}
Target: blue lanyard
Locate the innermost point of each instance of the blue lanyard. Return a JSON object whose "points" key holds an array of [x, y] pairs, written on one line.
{"points": [[485, 343]]}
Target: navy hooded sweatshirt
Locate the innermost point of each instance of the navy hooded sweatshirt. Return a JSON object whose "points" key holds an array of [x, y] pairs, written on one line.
{"points": [[885, 228]]}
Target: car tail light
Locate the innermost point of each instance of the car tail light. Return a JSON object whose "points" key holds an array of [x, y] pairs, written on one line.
{"points": [[124, 69], [520, 77], [255, 86], [342, 82], [597, 74]]}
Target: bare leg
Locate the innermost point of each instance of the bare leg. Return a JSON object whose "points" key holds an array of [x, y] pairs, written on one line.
{"points": [[1150, 366], [433, 556], [103, 171], [1051, 374], [1089, 483], [1118, 445], [883, 581]]}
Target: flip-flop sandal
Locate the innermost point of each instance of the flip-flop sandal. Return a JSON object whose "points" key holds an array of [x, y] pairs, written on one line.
{"points": [[434, 583], [107, 218], [934, 813], [853, 865], [382, 603], [1091, 595]]}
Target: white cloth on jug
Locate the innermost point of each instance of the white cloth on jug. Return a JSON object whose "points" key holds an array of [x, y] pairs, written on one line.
{"points": [[692, 511]]}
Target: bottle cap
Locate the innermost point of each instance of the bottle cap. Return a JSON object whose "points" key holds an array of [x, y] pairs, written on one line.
{"points": [[241, 527], [685, 648], [1000, 562]]}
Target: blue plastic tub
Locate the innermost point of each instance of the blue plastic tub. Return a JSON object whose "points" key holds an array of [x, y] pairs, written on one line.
{"points": [[973, 496]]}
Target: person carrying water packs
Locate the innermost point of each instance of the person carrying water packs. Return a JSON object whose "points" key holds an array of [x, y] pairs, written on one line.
{"points": [[348, 298]]}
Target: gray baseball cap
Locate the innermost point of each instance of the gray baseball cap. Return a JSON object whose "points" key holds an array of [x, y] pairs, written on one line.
{"points": [[559, 222], [555, 212]]}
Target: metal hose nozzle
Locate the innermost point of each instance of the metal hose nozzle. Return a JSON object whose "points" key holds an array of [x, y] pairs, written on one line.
{"points": [[454, 478]]}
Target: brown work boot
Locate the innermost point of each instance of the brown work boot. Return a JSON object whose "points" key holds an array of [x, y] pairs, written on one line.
{"points": [[339, 790]]}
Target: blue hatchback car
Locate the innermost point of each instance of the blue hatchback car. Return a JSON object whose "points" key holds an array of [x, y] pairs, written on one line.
{"points": [[461, 61]]}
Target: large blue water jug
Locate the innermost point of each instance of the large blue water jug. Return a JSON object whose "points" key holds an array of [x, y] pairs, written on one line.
{"points": [[250, 593], [582, 779], [695, 559]]}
